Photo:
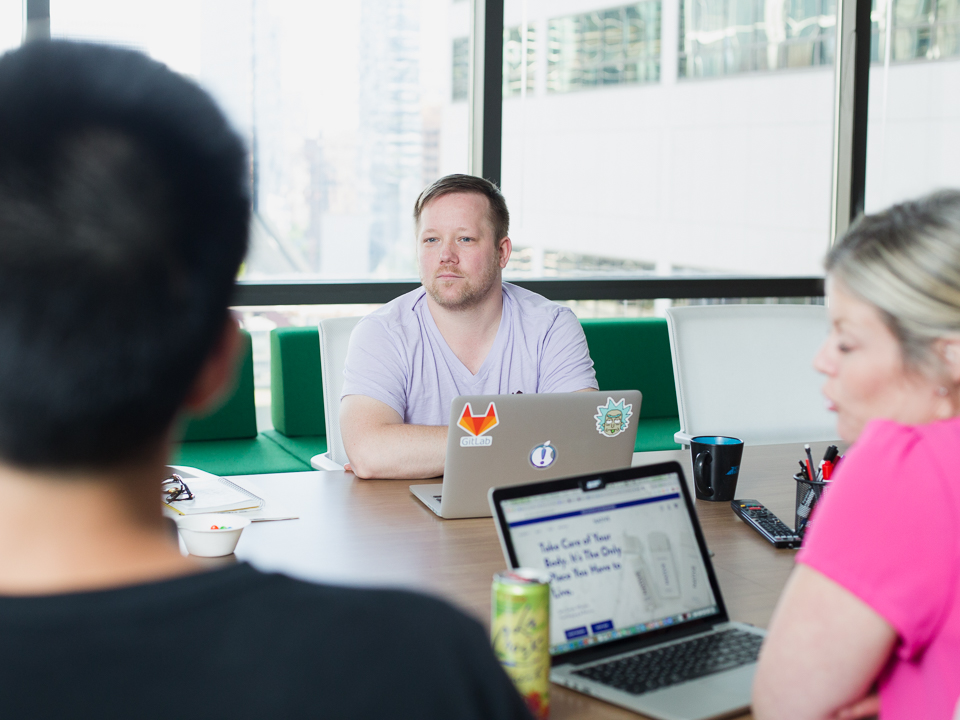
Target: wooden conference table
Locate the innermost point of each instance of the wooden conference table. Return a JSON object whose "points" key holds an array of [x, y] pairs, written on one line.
{"points": [[374, 532]]}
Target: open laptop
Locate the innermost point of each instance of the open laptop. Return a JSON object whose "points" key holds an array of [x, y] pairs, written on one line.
{"points": [[636, 614], [496, 440]]}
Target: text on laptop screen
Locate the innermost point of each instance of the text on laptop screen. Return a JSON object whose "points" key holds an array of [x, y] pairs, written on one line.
{"points": [[623, 559]]}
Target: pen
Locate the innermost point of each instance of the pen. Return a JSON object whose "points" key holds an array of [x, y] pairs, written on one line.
{"points": [[810, 466], [830, 460], [803, 470], [803, 512]]}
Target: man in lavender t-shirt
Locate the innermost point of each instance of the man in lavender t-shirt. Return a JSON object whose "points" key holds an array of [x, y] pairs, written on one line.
{"points": [[465, 332]]}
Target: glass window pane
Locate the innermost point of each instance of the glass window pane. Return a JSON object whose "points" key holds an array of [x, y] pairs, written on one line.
{"points": [[948, 10], [519, 60], [461, 68], [734, 36], [11, 24], [349, 108], [948, 39], [608, 47], [913, 129], [665, 166]]}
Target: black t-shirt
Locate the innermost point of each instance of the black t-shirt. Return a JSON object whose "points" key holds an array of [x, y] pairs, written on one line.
{"points": [[238, 643]]}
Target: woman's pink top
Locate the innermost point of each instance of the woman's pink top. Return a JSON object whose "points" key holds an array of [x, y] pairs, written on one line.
{"points": [[888, 530]]}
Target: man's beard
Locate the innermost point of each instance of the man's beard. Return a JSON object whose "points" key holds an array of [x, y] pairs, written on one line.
{"points": [[470, 294]]}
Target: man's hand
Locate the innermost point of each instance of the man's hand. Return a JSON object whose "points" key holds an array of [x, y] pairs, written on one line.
{"points": [[380, 445]]}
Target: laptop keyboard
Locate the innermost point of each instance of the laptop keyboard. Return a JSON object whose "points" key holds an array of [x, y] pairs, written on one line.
{"points": [[677, 663]]}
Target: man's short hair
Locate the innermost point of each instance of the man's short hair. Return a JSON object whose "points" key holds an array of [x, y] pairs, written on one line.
{"points": [[498, 215], [124, 217]]}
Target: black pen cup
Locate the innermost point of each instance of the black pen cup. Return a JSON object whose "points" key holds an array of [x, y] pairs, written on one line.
{"points": [[809, 493], [716, 466]]}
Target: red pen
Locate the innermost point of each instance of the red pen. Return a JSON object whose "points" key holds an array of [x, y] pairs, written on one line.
{"points": [[827, 469], [810, 470]]}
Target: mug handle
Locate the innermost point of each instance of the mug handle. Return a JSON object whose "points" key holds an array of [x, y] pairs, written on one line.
{"points": [[701, 474]]}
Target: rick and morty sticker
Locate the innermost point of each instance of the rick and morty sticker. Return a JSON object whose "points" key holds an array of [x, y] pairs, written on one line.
{"points": [[613, 418]]}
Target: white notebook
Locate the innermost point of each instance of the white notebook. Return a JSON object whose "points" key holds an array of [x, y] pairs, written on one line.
{"points": [[212, 494]]}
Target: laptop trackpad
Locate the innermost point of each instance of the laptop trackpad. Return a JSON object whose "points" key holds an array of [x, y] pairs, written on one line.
{"points": [[712, 696]]}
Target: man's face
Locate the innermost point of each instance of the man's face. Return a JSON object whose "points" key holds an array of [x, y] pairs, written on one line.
{"points": [[460, 259]]}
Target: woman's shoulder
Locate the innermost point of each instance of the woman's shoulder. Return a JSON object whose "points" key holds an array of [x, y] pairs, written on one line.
{"points": [[887, 448], [892, 435]]}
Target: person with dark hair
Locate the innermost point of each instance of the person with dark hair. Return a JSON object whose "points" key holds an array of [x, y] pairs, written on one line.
{"points": [[465, 332], [124, 216]]}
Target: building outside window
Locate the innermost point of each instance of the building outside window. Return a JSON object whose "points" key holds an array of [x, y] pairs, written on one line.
{"points": [[723, 37], [344, 106], [461, 68], [350, 109], [921, 29], [519, 60], [604, 47]]}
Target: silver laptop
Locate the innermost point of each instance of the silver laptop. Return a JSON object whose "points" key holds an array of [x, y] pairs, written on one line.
{"points": [[636, 615], [498, 440]]}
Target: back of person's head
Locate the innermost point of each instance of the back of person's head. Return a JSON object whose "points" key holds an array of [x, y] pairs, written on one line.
{"points": [[905, 261], [124, 217], [498, 215]]}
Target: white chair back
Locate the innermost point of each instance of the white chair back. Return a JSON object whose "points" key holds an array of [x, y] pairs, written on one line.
{"points": [[334, 338], [746, 371]]}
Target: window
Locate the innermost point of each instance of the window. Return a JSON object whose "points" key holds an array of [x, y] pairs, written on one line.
{"points": [[519, 60], [604, 47], [921, 29], [11, 24], [914, 120], [344, 106], [722, 37], [656, 173], [461, 68]]}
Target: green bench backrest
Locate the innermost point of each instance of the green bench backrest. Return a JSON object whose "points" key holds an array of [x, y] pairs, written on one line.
{"points": [[296, 388], [627, 352], [236, 418], [634, 353]]}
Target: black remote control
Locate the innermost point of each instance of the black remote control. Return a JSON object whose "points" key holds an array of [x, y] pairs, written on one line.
{"points": [[766, 523]]}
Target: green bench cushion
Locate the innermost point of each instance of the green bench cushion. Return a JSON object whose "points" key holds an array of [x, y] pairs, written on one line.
{"points": [[302, 448], [656, 434], [238, 457], [236, 417], [225, 441], [296, 389]]}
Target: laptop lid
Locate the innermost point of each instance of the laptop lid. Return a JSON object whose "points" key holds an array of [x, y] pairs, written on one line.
{"points": [[628, 563], [496, 440]]}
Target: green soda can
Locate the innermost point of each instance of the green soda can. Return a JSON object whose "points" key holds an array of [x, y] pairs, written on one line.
{"points": [[520, 629]]}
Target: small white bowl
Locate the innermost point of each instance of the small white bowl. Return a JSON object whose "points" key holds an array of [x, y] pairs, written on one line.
{"points": [[203, 536]]}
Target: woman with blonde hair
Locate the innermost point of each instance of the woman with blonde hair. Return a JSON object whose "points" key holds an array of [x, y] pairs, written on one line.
{"points": [[870, 618]]}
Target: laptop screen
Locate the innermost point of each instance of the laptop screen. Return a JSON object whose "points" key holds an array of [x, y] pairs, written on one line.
{"points": [[623, 558]]}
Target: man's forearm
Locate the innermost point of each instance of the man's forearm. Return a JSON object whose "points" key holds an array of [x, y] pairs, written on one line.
{"points": [[403, 452]]}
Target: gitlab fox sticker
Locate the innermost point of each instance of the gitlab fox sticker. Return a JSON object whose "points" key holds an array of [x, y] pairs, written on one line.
{"points": [[478, 426]]}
